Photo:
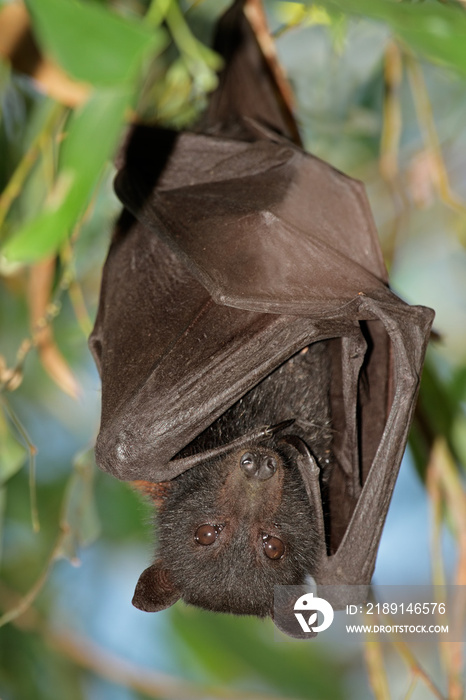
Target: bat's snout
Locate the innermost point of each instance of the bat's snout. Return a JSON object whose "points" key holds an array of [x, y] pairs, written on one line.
{"points": [[259, 466]]}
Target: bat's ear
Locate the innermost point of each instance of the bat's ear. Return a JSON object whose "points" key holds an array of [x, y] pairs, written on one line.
{"points": [[155, 589], [157, 492], [285, 621], [284, 617]]}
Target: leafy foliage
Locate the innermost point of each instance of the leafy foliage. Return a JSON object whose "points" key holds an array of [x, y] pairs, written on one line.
{"points": [[367, 104]]}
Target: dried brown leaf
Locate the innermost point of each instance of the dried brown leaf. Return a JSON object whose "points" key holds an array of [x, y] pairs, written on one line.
{"points": [[39, 292]]}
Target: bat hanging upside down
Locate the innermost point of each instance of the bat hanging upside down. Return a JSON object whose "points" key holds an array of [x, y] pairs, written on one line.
{"points": [[258, 375]]}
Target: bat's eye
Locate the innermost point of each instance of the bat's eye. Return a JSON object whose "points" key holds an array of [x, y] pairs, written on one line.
{"points": [[206, 534], [273, 547]]}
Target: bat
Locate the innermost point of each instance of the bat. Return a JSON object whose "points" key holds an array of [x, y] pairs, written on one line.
{"points": [[258, 375]]}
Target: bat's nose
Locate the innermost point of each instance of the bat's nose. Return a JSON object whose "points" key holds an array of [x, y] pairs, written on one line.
{"points": [[258, 466]]}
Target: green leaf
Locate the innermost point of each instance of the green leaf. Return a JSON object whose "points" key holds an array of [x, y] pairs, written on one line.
{"points": [[436, 30], [90, 141], [90, 42]]}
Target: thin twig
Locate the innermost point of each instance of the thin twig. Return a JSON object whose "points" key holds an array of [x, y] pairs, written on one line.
{"points": [[9, 379], [438, 568], [156, 12], [433, 490], [416, 669], [255, 13], [427, 124], [27, 600], [411, 688], [392, 118], [17, 180], [79, 307], [32, 452], [444, 471], [185, 40], [75, 292], [392, 125], [378, 680]]}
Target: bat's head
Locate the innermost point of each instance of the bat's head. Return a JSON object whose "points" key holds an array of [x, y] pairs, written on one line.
{"points": [[229, 530]]}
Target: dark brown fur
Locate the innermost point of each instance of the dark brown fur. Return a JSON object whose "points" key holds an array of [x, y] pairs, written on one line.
{"points": [[233, 574]]}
